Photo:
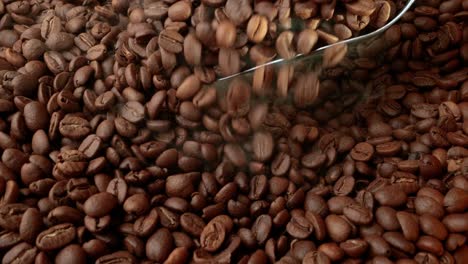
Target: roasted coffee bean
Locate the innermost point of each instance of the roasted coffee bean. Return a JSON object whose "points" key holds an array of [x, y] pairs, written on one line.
{"points": [[261, 228], [362, 152], [23, 253], [100, 204], [299, 226], [257, 28], [56, 237], [398, 241], [334, 55], [118, 256], [31, 225], [71, 254], [11, 215], [306, 90], [226, 34], [358, 214], [59, 41], [344, 186], [409, 225], [171, 41], [391, 196], [159, 245], [337, 228], [74, 127], [192, 223], [285, 46], [36, 116], [188, 88], [213, 235], [238, 11], [306, 41]]}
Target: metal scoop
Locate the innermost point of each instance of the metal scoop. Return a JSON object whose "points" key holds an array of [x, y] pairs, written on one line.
{"points": [[316, 54]]}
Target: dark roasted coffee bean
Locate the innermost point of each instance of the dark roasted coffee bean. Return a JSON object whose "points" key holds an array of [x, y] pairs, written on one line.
{"points": [[171, 41], [22, 253], [213, 235], [338, 229], [56, 237], [31, 224], [71, 254], [358, 214], [100, 204], [299, 226], [118, 256], [11, 215], [391, 196], [74, 127], [313, 257], [36, 116]]}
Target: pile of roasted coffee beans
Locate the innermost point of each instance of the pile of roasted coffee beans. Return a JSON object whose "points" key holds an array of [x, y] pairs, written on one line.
{"points": [[118, 146]]}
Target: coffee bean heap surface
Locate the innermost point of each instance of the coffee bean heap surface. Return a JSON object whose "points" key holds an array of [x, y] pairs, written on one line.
{"points": [[118, 145]]}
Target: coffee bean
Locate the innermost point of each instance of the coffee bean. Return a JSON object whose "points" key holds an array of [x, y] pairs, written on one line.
{"points": [[344, 186], [23, 252], [257, 28], [188, 88], [229, 61], [192, 223], [193, 51], [181, 185], [299, 226], [306, 90], [362, 152], [334, 55], [226, 34], [262, 145], [171, 41], [35, 116], [159, 245], [313, 257], [31, 225], [179, 11], [11, 215], [9, 239], [100, 204], [354, 247], [71, 254], [56, 237], [391, 196], [337, 228], [358, 214], [284, 45], [51, 24], [409, 225], [74, 127], [262, 228], [136, 204], [212, 236], [145, 225], [123, 256], [238, 11], [378, 245], [306, 41], [397, 240], [361, 7], [59, 41], [96, 52]]}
